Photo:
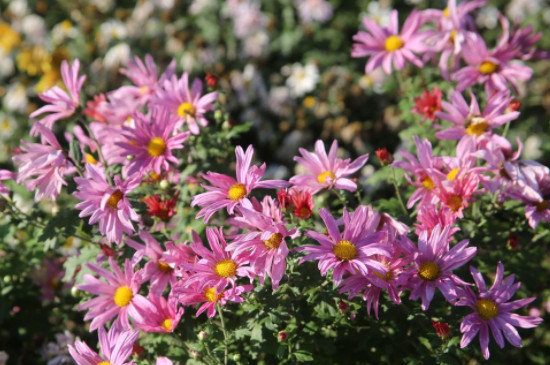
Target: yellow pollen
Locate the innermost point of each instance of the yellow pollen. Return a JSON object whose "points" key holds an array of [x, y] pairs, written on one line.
{"points": [[393, 43], [114, 199], [455, 203], [322, 177], [274, 241], [212, 295], [429, 271], [386, 277], [144, 90], [452, 175], [428, 183], [66, 25], [156, 147], [90, 159], [237, 192], [488, 68], [477, 126], [123, 296], [164, 267], [487, 309], [54, 284], [104, 363], [186, 109], [542, 206], [345, 250], [226, 268], [309, 102], [452, 36], [167, 324], [446, 13]]}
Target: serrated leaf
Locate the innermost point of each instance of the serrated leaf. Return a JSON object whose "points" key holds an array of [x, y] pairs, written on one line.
{"points": [[302, 356], [87, 254]]}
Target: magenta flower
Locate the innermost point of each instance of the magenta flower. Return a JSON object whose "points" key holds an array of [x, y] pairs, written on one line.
{"points": [[326, 171], [188, 105], [492, 310], [151, 142], [116, 347], [349, 251], [60, 104], [228, 192], [105, 204], [116, 297], [433, 263], [386, 46], [41, 166], [6, 175], [160, 315]]}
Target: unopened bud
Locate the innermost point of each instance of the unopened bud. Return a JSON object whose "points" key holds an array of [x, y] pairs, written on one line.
{"points": [[129, 157], [442, 329], [384, 156], [513, 242], [282, 336], [218, 115], [164, 184], [236, 357], [202, 335], [343, 306], [75, 292], [211, 80]]}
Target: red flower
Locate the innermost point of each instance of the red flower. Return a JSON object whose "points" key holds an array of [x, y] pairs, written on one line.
{"points": [[211, 80], [107, 250], [163, 209], [513, 242], [303, 201], [514, 106], [384, 156], [93, 109], [442, 329], [428, 104], [285, 199]]}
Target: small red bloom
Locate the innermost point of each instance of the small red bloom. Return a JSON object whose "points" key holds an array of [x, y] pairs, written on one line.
{"points": [[163, 209], [514, 106], [442, 329], [384, 156], [282, 336], [428, 104], [285, 199], [303, 201], [107, 250], [138, 350], [513, 242], [211, 80], [343, 306], [93, 108]]}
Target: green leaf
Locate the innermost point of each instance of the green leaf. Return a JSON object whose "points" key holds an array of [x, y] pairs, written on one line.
{"points": [[302, 356]]}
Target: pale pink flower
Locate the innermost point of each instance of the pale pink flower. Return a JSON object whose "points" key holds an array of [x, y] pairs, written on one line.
{"points": [[311, 11], [6, 175]]}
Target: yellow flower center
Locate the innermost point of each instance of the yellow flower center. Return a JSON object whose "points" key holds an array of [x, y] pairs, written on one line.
{"points": [[322, 177], [212, 295], [387, 276], [345, 250], [104, 363], [123, 296], [164, 267], [452, 175], [114, 199], [429, 271], [144, 89], [455, 203], [186, 109], [452, 36], [427, 183], [477, 126], [488, 67], [167, 324], [487, 309], [393, 43], [66, 25], [274, 241], [309, 102], [446, 13], [156, 147], [237, 192], [542, 206], [90, 159], [226, 268]]}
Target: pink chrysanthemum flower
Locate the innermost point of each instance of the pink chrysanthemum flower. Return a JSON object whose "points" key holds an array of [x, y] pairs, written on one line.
{"points": [[60, 104], [160, 315], [469, 121], [151, 142], [6, 175], [228, 192], [349, 251], [116, 347], [326, 171], [105, 204], [433, 263], [387, 46], [119, 296], [429, 216], [491, 68], [492, 310], [188, 105], [41, 166]]}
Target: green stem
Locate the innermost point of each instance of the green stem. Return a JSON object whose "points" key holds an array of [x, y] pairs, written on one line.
{"points": [[212, 357], [225, 336], [101, 157], [506, 128], [394, 180]]}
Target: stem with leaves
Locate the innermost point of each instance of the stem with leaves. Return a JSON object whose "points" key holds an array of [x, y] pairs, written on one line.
{"points": [[225, 335], [398, 193]]}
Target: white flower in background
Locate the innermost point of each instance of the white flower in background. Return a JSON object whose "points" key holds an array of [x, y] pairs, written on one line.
{"points": [[247, 17], [117, 56], [142, 12], [16, 98], [517, 10], [57, 353], [71, 247], [6, 64], [487, 17], [314, 11], [279, 100], [3, 358], [7, 125], [63, 31], [256, 44], [379, 12], [34, 28], [302, 79], [531, 148], [164, 4], [18, 8], [373, 80], [198, 6], [248, 85], [188, 61], [103, 5], [112, 30]]}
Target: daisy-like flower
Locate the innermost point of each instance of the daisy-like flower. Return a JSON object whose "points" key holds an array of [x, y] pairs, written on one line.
{"points": [[105, 204], [314, 10], [326, 171], [151, 142], [161, 208], [433, 263], [6, 175], [228, 192], [386, 45], [349, 251], [116, 297], [116, 347], [60, 104], [470, 121], [493, 310], [161, 315], [303, 203], [189, 106], [428, 104], [41, 166]]}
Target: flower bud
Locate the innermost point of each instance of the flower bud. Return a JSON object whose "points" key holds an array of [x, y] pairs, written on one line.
{"points": [[442, 329], [218, 115], [343, 306], [282, 336], [129, 157], [164, 184], [202, 335], [236, 357], [384, 156], [285, 200], [75, 291], [211, 80], [513, 242]]}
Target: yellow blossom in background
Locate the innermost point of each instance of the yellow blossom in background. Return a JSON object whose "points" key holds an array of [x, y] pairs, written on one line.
{"points": [[34, 61], [9, 38]]}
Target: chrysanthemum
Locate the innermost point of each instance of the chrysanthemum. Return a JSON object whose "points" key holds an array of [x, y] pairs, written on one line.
{"points": [[428, 104], [105, 204], [386, 46], [326, 171], [116, 347], [189, 106], [60, 104], [41, 166], [119, 296], [433, 263], [228, 192], [150, 142], [349, 251], [160, 315], [492, 310]]}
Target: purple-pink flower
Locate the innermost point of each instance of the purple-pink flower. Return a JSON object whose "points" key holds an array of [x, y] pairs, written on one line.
{"points": [[6, 175], [159, 315]]}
